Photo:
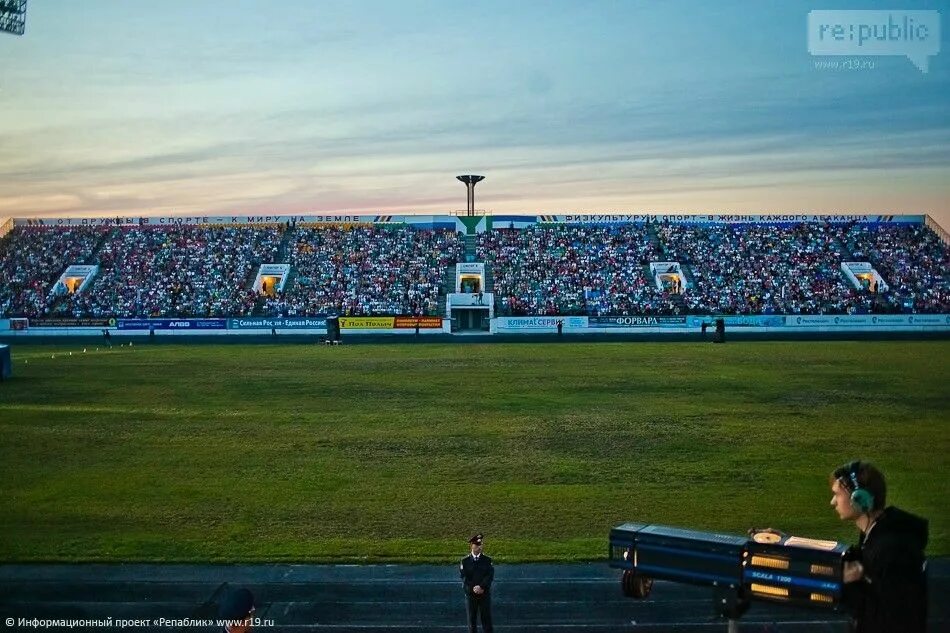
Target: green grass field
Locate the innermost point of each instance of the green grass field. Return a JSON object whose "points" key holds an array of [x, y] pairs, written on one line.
{"points": [[399, 452]]}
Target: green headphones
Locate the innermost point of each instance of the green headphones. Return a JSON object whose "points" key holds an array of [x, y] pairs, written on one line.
{"points": [[861, 499]]}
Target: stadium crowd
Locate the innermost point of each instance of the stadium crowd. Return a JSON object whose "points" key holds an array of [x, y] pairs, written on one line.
{"points": [[730, 269], [574, 269], [366, 270], [912, 260], [763, 269], [176, 272], [563, 269], [33, 258]]}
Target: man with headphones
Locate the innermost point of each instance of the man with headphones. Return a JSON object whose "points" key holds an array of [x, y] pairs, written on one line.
{"points": [[886, 584]]}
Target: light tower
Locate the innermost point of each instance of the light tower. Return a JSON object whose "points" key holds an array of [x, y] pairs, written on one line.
{"points": [[470, 182], [13, 16]]}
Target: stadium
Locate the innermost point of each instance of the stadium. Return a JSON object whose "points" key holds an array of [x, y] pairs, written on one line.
{"points": [[361, 453], [258, 372]]}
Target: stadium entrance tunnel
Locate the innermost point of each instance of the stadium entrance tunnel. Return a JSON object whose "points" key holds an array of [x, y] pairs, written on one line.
{"points": [[470, 320], [671, 283], [75, 279], [72, 284], [471, 283], [271, 278], [269, 285]]}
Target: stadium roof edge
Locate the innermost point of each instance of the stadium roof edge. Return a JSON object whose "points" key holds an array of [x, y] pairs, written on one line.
{"points": [[446, 221]]}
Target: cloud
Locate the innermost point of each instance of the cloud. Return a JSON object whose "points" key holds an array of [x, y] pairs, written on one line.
{"points": [[333, 108]]}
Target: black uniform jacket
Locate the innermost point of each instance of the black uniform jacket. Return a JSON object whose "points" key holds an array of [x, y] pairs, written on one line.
{"points": [[479, 573]]}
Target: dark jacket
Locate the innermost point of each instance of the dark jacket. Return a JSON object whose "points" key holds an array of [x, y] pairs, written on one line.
{"points": [[892, 597], [477, 573]]}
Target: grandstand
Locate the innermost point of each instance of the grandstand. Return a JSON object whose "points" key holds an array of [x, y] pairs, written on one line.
{"points": [[31, 259], [594, 266], [362, 454], [174, 272], [563, 269], [366, 270]]}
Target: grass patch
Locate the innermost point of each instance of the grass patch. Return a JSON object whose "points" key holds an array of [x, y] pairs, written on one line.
{"points": [[400, 452]]}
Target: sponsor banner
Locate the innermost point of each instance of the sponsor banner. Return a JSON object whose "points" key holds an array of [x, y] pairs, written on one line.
{"points": [[423, 322], [596, 218], [815, 320], [764, 320], [421, 221], [172, 324], [686, 218], [910, 319], [199, 220], [279, 323], [450, 222], [470, 267], [367, 323], [19, 324], [866, 320], [541, 323], [928, 319], [187, 220], [5, 324], [347, 219], [818, 320], [637, 321], [72, 322]]}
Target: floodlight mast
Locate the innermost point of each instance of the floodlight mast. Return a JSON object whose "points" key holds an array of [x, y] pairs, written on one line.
{"points": [[13, 16], [470, 182]]}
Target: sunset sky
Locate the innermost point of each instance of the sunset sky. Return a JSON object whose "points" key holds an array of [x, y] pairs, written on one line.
{"points": [[216, 107]]}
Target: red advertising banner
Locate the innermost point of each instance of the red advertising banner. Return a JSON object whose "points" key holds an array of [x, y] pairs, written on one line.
{"points": [[403, 322]]}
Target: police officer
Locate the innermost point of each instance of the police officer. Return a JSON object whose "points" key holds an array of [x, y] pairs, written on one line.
{"points": [[477, 574]]}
